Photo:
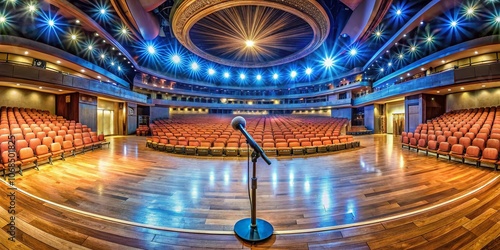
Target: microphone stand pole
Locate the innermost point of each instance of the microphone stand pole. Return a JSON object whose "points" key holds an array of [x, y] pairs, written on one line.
{"points": [[253, 229]]}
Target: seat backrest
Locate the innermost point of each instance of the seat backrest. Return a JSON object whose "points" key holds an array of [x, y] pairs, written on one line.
{"points": [[478, 142], [432, 145], [54, 147], [26, 153], [452, 140], [465, 141], [33, 143], [78, 142], [41, 150], [67, 144], [294, 144], [490, 154], [457, 149], [21, 144], [493, 143], [441, 138], [268, 145]]}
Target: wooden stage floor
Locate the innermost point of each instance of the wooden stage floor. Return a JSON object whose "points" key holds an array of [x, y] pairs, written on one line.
{"points": [[378, 191]]}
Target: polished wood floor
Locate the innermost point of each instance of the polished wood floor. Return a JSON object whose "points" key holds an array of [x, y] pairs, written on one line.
{"points": [[376, 196]]}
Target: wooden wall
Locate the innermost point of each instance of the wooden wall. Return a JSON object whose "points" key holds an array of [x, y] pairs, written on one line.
{"points": [[16, 97], [473, 99]]}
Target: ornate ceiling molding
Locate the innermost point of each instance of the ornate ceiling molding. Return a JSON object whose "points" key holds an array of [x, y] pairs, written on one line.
{"points": [[189, 12]]}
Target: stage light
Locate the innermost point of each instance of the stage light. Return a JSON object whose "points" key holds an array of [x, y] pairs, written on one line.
{"points": [[73, 37], [77, 21], [293, 74], [194, 66], [51, 23], [389, 64], [429, 39], [31, 8], [90, 47], [259, 77], [398, 12], [226, 74], [249, 43], [453, 23], [378, 33], [470, 11], [497, 19], [308, 71], [103, 56], [243, 76], [413, 48], [2, 19], [328, 62], [381, 69], [211, 71], [102, 11], [119, 68], [275, 76], [124, 31], [401, 56], [151, 49], [353, 52], [176, 59]]}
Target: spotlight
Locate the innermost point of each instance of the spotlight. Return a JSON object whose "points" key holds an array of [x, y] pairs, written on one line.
{"points": [[124, 31], [103, 56], [226, 74], [90, 47], [398, 12], [378, 33], [308, 71], [151, 49], [497, 19], [381, 69], [453, 23], [51, 23], [275, 76], [58, 62], [293, 74], [429, 39], [242, 76], [259, 77], [73, 37], [195, 66], [249, 43], [2, 19], [211, 71], [328, 62], [119, 68], [413, 48], [31, 8], [102, 11], [470, 11], [176, 59], [389, 64], [353, 52], [401, 56]]}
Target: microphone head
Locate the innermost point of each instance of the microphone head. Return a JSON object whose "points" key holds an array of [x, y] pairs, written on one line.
{"points": [[237, 121]]}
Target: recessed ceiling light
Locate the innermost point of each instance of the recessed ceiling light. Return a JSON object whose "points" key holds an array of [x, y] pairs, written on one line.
{"points": [[20, 84], [422, 69], [462, 88], [60, 90], [58, 62], [438, 91], [77, 21], [449, 89], [40, 87], [82, 70], [483, 86], [26, 52], [443, 61], [475, 52], [99, 77], [408, 74]]}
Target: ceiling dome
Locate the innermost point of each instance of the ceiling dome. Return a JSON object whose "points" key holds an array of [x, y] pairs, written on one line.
{"points": [[251, 34]]}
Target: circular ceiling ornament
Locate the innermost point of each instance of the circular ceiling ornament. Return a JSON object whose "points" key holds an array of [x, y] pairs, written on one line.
{"points": [[251, 34]]}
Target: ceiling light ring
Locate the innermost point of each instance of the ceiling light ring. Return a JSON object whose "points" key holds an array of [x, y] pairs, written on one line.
{"points": [[189, 12]]}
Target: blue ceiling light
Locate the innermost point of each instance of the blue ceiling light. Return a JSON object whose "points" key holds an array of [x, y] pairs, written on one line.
{"points": [[176, 59], [259, 77], [102, 11], [328, 62], [226, 75], [275, 76], [242, 76], [151, 49], [51, 22], [453, 23], [308, 71], [211, 71], [399, 12], [353, 52], [195, 66], [293, 74]]}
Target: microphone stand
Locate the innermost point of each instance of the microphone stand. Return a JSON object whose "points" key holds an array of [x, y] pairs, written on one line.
{"points": [[253, 229]]}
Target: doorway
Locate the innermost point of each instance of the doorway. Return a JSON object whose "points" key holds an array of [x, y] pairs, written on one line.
{"points": [[105, 122]]}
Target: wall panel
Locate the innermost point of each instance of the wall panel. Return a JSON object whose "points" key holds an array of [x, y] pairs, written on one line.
{"points": [[15, 97]]}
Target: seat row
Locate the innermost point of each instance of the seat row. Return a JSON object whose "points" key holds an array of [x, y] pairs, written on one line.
{"points": [[237, 148]]}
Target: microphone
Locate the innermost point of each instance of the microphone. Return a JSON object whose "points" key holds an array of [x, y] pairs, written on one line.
{"points": [[239, 123]]}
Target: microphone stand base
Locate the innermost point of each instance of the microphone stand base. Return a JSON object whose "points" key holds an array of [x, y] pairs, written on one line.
{"points": [[261, 232]]}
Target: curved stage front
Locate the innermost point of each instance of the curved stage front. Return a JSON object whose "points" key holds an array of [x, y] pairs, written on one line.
{"points": [[358, 190]]}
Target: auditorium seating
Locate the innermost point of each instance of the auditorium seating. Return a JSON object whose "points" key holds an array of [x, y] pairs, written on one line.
{"points": [[41, 137], [277, 135], [471, 135]]}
